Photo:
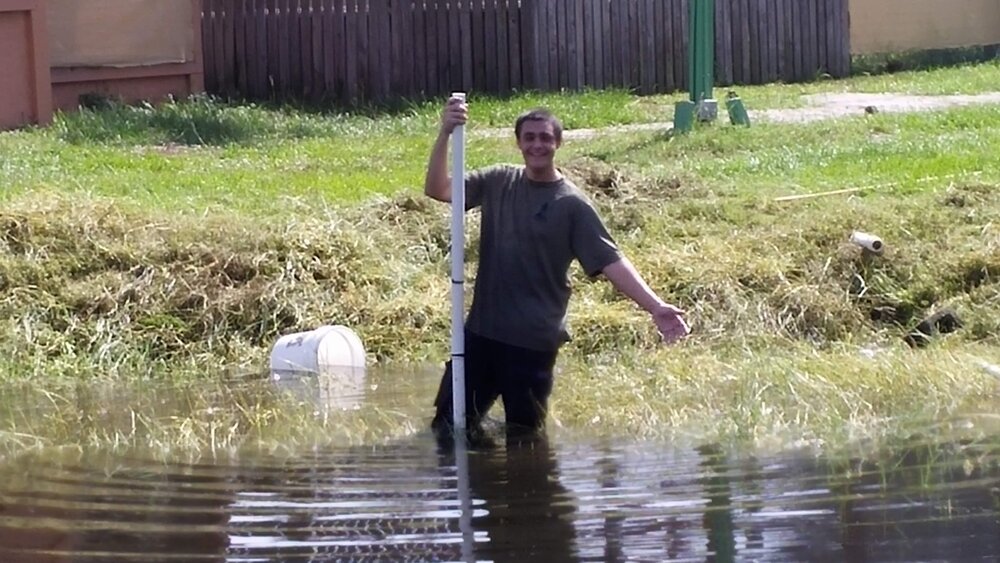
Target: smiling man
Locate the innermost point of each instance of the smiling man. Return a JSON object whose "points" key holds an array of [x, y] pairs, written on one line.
{"points": [[535, 223]]}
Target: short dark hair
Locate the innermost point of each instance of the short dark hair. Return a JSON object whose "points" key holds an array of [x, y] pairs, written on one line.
{"points": [[539, 114]]}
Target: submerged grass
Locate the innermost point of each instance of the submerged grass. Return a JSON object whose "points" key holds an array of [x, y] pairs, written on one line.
{"points": [[182, 419], [167, 243]]}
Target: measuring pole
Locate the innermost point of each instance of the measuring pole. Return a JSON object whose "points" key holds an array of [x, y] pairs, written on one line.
{"points": [[458, 337], [458, 273]]}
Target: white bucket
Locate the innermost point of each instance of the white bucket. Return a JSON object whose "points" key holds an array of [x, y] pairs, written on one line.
{"points": [[325, 366], [318, 351]]}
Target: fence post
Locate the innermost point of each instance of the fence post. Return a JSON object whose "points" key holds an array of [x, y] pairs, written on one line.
{"points": [[530, 43]]}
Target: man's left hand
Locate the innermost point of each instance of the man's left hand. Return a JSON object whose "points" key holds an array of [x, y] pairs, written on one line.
{"points": [[671, 324]]}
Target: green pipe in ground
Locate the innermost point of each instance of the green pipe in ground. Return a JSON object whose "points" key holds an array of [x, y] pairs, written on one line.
{"points": [[701, 55]]}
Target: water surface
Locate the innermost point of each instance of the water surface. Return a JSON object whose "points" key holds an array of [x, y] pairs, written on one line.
{"points": [[563, 496]]}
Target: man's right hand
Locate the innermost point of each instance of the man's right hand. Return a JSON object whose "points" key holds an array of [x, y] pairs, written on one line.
{"points": [[456, 112]]}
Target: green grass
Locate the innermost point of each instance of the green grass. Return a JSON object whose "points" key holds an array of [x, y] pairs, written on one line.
{"points": [[778, 159], [171, 243], [204, 156]]}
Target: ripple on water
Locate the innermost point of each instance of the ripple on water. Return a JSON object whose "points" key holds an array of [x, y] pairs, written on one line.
{"points": [[570, 500]]}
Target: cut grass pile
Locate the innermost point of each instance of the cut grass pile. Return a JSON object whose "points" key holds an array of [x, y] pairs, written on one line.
{"points": [[183, 240]]}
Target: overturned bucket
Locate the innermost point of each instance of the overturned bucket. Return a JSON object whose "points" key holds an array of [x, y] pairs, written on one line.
{"points": [[317, 351], [325, 366]]}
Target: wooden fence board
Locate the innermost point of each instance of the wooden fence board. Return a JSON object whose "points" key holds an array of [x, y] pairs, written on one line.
{"points": [[334, 58], [753, 22], [551, 32], [607, 56], [514, 44], [367, 52], [490, 42], [782, 28], [723, 43], [758, 41], [580, 41], [306, 48], [746, 37], [313, 29], [802, 31], [219, 29], [667, 46], [736, 40], [794, 24], [238, 58], [634, 38], [775, 38], [396, 35], [383, 23], [258, 88], [208, 45], [529, 43], [454, 51], [844, 38], [477, 50], [832, 33], [284, 49], [648, 62], [766, 40], [295, 47], [658, 32], [585, 45], [557, 23], [503, 62], [443, 60]]}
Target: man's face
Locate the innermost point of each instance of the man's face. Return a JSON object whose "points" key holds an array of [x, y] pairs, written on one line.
{"points": [[538, 144]]}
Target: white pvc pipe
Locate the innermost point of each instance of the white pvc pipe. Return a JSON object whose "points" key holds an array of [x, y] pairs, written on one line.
{"points": [[867, 241], [458, 273]]}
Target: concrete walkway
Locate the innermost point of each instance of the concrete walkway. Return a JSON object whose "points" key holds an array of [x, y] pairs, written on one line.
{"points": [[819, 106]]}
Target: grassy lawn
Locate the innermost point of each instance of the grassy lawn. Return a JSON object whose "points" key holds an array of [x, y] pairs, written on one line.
{"points": [[140, 242]]}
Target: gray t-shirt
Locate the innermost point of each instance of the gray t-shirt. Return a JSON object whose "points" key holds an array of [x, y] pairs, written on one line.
{"points": [[531, 232]]}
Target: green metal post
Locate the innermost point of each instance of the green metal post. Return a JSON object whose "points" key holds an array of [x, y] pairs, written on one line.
{"points": [[701, 56]]}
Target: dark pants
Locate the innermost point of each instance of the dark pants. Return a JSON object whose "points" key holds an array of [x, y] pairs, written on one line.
{"points": [[522, 378]]}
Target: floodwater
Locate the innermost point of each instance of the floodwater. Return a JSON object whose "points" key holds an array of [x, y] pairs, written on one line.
{"points": [[562, 496]]}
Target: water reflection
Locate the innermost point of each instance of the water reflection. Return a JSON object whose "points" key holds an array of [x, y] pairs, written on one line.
{"points": [[718, 518], [543, 498], [63, 512], [527, 514]]}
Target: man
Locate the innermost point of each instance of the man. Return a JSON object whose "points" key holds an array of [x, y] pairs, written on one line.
{"points": [[535, 223]]}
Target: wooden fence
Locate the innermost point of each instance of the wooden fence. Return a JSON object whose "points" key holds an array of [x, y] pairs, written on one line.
{"points": [[349, 51]]}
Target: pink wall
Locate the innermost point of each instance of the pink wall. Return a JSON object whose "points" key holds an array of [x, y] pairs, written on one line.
{"points": [[25, 91]]}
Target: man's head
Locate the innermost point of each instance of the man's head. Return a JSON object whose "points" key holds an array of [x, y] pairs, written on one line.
{"points": [[539, 135]]}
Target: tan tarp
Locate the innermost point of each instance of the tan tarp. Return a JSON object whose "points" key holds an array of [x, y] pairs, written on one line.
{"points": [[120, 33]]}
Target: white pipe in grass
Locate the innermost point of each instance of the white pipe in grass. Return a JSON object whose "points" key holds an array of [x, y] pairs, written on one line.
{"points": [[458, 273], [868, 241]]}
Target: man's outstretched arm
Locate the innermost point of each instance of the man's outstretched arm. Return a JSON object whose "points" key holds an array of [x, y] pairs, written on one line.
{"points": [[669, 319]]}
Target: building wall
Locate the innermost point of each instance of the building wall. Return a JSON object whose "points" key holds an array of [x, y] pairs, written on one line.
{"points": [[25, 97], [881, 26], [121, 33], [132, 50]]}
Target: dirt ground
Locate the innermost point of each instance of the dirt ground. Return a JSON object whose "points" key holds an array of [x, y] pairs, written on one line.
{"points": [[826, 106]]}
